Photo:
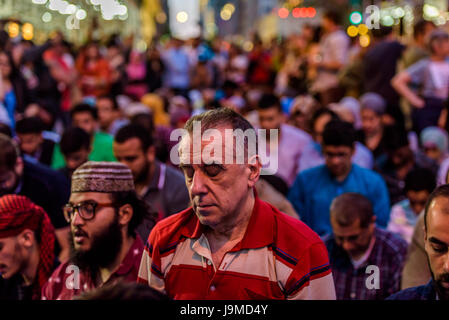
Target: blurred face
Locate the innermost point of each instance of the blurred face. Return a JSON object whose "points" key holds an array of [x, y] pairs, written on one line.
{"points": [[131, 154], [437, 244], [354, 239], [441, 48], [106, 113], [218, 191], [75, 159], [85, 121], [371, 122], [11, 257], [10, 178], [92, 52], [86, 232], [270, 118], [402, 156], [327, 24], [30, 142], [5, 66], [433, 152], [318, 127], [338, 159], [417, 200]]}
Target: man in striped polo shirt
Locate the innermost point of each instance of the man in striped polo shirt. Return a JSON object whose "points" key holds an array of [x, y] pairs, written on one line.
{"points": [[230, 244]]}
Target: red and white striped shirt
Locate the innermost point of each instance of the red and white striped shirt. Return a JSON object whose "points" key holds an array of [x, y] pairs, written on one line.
{"points": [[278, 258]]}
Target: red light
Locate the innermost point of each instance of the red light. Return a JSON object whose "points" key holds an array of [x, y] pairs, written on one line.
{"points": [[283, 13], [297, 13], [311, 12]]}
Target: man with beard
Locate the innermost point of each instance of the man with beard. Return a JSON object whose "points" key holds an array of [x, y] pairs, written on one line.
{"points": [[104, 214], [161, 186], [355, 244], [27, 240], [45, 187], [436, 238], [315, 188]]}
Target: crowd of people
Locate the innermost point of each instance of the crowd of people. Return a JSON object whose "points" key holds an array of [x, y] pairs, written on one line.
{"points": [[93, 205]]}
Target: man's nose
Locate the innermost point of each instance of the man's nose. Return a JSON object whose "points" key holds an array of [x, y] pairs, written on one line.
{"points": [[199, 184], [76, 218], [446, 263]]}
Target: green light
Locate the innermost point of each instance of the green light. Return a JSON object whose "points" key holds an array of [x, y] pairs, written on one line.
{"points": [[355, 17]]}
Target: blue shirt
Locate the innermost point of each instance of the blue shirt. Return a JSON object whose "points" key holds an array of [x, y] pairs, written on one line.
{"points": [[314, 189]]}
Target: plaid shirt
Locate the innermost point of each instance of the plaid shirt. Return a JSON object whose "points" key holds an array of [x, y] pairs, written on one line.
{"points": [[388, 253]]}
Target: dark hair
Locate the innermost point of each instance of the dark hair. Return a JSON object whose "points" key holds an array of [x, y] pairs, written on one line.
{"points": [[420, 27], [29, 125], [111, 98], [73, 140], [124, 291], [420, 179], [135, 131], [144, 120], [397, 138], [333, 16], [441, 191], [140, 209], [10, 152], [349, 207], [268, 101], [381, 32], [5, 129], [83, 107], [322, 111], [339, 133]]}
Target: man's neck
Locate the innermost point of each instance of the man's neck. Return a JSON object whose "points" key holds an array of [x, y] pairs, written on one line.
{"points": [[342, 177], [29, 274], [236, 228], [106, 273]]}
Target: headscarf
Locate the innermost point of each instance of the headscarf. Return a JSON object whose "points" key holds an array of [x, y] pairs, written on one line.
{"points": [[18, 213], [435, 136], [374, 102], [156, 104]]}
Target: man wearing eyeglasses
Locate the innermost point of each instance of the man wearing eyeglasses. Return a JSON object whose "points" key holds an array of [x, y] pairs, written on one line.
{"points": [[105, 214], [315, 188], [366, 261]]}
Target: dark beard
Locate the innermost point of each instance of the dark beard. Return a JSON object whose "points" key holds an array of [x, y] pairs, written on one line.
{"points": [[143, 175], [443, 294], [105, 248]]}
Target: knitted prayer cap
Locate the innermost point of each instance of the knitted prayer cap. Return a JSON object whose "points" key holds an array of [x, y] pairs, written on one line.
{"points": [[104, 177]]}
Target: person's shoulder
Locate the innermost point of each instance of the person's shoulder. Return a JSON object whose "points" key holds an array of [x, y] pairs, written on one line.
{"points": [[313, 172], [366, 174], [42, 173], [103, 137], [173, 174], [171, 228], [293, 234], [295, 133], [392, 242], [414, 293]]}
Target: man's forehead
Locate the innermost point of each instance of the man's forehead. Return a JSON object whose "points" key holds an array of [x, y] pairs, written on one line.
{"points": [[214, 145]]}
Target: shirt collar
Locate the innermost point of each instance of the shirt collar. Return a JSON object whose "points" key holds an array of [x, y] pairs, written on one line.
{"points": [[132, 258]]}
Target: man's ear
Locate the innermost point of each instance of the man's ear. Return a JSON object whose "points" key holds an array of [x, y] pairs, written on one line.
{"points": [[26, 238], [125, 214], [254, 167], [353, 149], [151, 154]]}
